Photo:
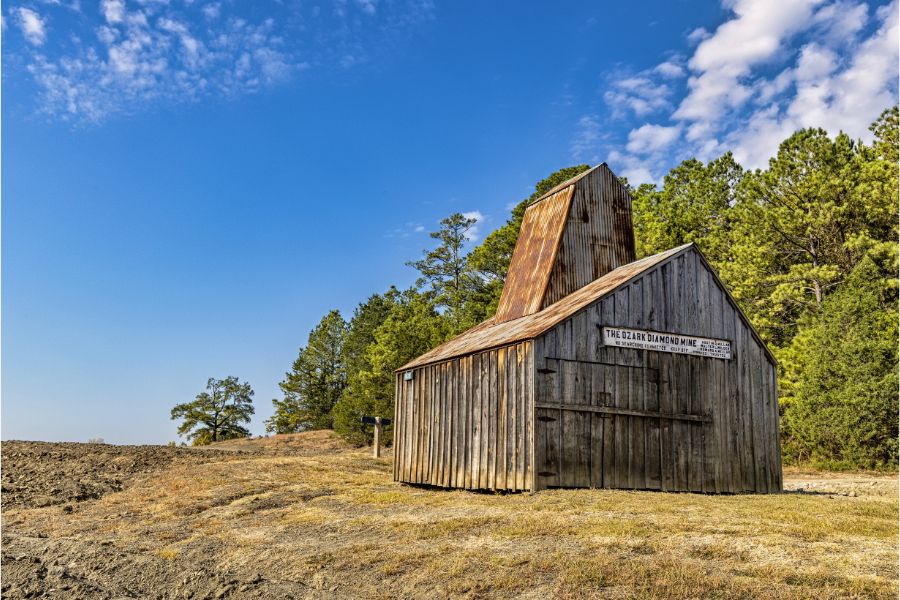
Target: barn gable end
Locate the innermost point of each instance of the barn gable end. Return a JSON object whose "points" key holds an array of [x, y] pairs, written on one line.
{"points": [[619, 417]]}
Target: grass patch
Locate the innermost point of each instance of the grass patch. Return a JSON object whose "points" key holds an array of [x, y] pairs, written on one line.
{"points": [[168, 553], [339, 519]]}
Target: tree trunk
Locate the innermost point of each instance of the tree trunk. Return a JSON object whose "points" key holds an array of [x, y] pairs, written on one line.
{"points": [[817, 285]]}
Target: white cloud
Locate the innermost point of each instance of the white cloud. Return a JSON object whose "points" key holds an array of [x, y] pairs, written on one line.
{"points": [[758, 141], [192, 49], [32, 26], [647, 153], [637, 170], [649, 138], [141, 59], [869, 84], [766, 90], [638, 94], [720, 62], [770, 69], [836, 78], [129, 56], [698, 35], [841, 20], [837, 97], [73, 4], [815, 63], [113, 11], [407, 230], [212, 10], [669, 69]]}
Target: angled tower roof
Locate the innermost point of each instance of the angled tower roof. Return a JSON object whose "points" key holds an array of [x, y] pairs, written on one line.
{"points": [[575, 233], [534, 255]]}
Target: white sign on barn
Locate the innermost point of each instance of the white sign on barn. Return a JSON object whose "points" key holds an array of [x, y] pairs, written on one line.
{"points": [[666, 342]]}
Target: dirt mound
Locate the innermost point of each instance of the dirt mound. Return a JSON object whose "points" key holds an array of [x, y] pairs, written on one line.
{"points": [[323, 440], [37, 474]]}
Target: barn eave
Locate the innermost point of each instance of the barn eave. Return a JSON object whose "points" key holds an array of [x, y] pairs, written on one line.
{"points": [[487, 334]]}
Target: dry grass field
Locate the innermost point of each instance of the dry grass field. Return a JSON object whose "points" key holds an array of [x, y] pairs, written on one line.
{"points": [[305, 517]]}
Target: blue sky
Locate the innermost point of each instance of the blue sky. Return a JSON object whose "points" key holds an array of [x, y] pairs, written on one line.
{"points": [[187, 187]]}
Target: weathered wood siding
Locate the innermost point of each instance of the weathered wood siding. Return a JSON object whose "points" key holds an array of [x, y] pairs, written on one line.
{"points": [[625, 418], [598, 235], [467, 422]]}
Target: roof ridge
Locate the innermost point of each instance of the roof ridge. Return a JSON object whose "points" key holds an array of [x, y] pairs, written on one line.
{"points": [[529, 326], [568, 182]]}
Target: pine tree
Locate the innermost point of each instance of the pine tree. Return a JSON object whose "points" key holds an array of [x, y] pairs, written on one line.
{"points": [[443, 270], [842, 412], [315, 382], [693, 205], [412, 327], [789, 246]]}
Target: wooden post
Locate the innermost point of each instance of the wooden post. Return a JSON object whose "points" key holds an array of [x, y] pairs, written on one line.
{"points": [[376, 451]]}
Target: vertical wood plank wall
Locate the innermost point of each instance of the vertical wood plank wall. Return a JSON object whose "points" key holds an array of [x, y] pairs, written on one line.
{"points": [[598, 235], [737, 450], [467, 422]]}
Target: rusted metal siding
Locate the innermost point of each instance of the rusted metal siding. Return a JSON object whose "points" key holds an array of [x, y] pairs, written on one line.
{"points": [[534, 256], [598, 235], [576, 233]]}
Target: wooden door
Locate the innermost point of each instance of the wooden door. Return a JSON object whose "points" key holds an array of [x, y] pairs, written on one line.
{"points": [[619, 426], [570, 441]]}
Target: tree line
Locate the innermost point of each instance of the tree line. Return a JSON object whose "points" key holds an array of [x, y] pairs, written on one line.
{"points": [[807, 246]]}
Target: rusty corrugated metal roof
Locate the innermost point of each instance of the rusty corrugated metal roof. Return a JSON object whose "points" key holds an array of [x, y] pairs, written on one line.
{"points": [[493, 334], [534, 256]]}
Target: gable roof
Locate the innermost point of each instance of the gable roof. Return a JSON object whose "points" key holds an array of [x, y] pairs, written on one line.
{"points": [[533, 258], [493, 334]]}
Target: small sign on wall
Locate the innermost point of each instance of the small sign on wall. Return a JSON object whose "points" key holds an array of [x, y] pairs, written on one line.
{"points": [[643, 339]]}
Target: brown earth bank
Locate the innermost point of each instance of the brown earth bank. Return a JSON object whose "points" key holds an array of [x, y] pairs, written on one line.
{"points": [[305, 516]]}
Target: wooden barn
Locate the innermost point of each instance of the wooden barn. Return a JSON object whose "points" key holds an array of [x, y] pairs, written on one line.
{"points": [[598, 370]]}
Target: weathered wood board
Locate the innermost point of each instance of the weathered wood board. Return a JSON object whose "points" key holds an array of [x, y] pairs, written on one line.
{"points": [[467, 422], [648, 419]]}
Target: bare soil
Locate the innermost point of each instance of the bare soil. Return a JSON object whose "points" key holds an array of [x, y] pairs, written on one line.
{"points": [[38, 474], [304, 516]]}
